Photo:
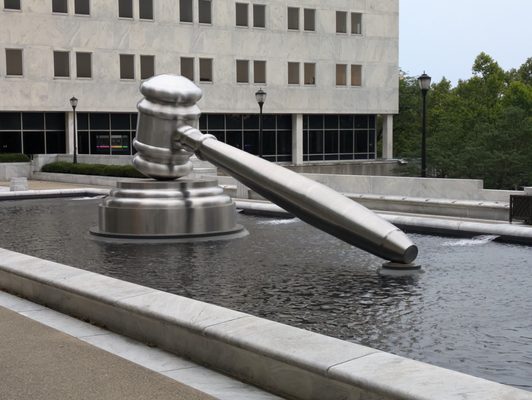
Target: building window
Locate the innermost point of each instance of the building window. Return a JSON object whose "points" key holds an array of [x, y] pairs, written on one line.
{"points": [[242, 71], [32, 133], [84, 65], [205, 11], [125, 8], [127, 66], [293, 73], [205, 70], [14, 62], [242, 131], [12, 4], [259, 16], [356, 75], [259, 72], [341, 22], [310, 73], [356, 23], [187, 67], [293, 18], [146, 9], [338, 137], [82, 7], [185, 10], [103, 133], [147, 67], [60, 6], [341, 74], [61, 64], [309, 16], [241, 14]]}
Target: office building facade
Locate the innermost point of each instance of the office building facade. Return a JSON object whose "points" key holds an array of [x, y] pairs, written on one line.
{"points": [[329, 69]]}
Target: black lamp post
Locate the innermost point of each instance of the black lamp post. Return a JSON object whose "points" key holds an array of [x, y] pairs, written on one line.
{"points": [[74, 104], [260, 95], [424, 85]]}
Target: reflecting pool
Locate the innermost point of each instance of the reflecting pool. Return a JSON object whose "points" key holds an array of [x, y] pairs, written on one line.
{"points": [[470, 311]]}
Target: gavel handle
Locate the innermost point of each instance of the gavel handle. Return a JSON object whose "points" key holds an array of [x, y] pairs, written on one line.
{"points": [[309, 200]]}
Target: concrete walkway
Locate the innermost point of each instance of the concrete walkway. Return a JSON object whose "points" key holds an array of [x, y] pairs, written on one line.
{"points": [[38, 362]]}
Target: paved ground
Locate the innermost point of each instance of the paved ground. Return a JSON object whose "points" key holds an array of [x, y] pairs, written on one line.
{"points": [[38, 362]]}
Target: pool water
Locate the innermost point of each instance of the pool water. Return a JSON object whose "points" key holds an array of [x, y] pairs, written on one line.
{"points": [[471, 309]]}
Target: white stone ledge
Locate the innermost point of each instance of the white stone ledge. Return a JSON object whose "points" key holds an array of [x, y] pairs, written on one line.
{"points": [[284, 360], [52, 193]]}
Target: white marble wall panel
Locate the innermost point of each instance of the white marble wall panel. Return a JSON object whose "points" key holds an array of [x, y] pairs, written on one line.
{"points": [[39, 32]]}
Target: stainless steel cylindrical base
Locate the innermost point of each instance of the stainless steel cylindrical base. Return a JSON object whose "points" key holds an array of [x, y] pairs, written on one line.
{"points": [[149, 209]]}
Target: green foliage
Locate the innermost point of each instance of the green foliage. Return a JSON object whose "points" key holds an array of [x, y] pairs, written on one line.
{"points": [[93, 169], [13, 157], [480, 129]]}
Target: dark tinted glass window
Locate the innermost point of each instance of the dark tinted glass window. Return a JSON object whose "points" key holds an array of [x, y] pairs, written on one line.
{"points": [[216, 121], [12, 4], [120, 143], [331, 122], [14, 62], [83, 65], [205, 11], [55, 142], [82, 120], [99, 143], [284, 122], [361, 142], [185, 10], [125, 8], [251, 122], [99, 121], [234, 138], [34, 143], [331, 142], [361, 122], [251, 142], [146, 9], [346, 141], [82, 7], [33, 121], [315, 142], [284, 143], [60, 6], [10, 142], [234, 122], [120, 121], [268, 143], [147, 67], [127, 66], [55, 121], [346, 122], [315, 122], [83, 143], [61, 64], [9, 121], [268, 121]]}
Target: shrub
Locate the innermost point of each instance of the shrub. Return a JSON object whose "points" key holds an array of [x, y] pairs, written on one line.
{"points": [[13, 157], [93, 169]]}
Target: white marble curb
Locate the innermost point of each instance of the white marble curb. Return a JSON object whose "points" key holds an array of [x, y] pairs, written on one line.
{"points": [[281, 359], [52, 193]]}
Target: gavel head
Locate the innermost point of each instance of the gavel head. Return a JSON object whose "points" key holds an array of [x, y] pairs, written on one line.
{"points": [[169, 101]]}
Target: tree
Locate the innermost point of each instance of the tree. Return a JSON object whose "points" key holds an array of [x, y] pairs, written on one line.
{"points": [[481, 129]]}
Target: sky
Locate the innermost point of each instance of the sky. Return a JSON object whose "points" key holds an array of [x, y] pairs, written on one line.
{"points": [[443, 37]]}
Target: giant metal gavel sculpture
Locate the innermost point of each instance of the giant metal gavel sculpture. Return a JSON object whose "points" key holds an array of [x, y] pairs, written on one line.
{"points": [[167, 135]]}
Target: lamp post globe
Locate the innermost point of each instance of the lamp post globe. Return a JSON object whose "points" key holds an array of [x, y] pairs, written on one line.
{"points": [[424, 85], [74, 104], [260, 96]]}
